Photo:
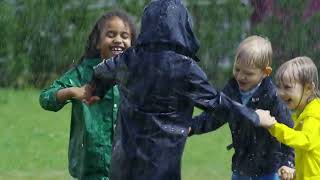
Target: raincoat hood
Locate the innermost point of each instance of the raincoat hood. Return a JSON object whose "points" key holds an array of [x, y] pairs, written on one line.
{"points": [[168, 22]]}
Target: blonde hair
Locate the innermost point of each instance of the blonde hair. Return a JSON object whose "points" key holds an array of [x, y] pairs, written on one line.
{"points": [[300, 69], [254, 50]]}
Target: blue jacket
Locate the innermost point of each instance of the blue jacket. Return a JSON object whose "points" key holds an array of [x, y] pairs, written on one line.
{"points": [[256, 151], [159, 84]]}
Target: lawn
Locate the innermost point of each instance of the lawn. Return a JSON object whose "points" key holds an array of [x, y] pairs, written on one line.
{"points": [[34, 143]]}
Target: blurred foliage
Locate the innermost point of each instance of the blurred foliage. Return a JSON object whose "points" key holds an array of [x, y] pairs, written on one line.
{"points": [[290, 32], [42, 39], [220, 26]]}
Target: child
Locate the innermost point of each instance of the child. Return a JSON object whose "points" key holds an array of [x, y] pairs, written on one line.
{"points": [[92, 127], [257, 155], [160, 84], [297, 82]]}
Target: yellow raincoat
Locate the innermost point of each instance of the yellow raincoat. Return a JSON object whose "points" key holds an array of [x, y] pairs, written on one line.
{"points": [[305, 139]]}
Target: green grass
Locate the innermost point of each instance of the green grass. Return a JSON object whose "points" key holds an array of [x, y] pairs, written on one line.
{"points": [[34, 143]]}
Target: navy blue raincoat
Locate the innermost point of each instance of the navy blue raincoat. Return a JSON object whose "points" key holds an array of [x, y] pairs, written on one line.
{"points": [[256, 152], [159, 84]]}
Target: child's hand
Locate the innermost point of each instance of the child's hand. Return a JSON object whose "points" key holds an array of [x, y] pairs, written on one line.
{"points": [[286, 173], [84, 94], [78, 93], [91, 100], [266, 120], [87, 95]]}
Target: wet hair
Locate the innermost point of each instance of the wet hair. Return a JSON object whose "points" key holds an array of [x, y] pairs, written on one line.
{"points": [[300, 69], [91, 50], [254, 51]]}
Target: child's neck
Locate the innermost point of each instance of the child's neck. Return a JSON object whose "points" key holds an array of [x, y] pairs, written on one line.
{"points": [[246, 95], [252, 90]]}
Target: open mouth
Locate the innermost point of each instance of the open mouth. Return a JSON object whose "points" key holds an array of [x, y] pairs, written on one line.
{"points": [[117, 50], [242, 84], [287, 101]]}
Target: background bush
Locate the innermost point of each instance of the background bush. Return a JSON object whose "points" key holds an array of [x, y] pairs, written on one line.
{"points": [[42, 39]]}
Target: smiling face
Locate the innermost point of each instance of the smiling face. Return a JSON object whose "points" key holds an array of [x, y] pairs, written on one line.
{"points": [[247, 76], [291, 94], [297, 82], [115, 37], [294, 93]]}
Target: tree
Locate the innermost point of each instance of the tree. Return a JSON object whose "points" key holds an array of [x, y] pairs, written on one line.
{"points": [[39, 44]]}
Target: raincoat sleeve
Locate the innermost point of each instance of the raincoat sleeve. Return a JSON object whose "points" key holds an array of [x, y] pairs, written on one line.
{"points": [[105, 76], [48, 99], [281, 112], [206, 122], [307, 139], [209, 99]]}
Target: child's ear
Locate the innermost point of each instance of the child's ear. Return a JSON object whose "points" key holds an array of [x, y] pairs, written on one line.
{"points": [[267, 70]]}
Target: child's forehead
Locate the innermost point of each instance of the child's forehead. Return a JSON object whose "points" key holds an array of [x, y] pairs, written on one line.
{"points": [[245, 65], [116, 22], [287, 78]]}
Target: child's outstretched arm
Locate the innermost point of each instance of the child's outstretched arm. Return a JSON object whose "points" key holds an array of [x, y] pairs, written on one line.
{"points": [[207, 98], [60, 92], [307, 139], [283, 115], [84, 93], [71, 92], [206, 122], [48, 98], [286, 171]]}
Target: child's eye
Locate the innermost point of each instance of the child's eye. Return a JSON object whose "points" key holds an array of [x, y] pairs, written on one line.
{"points": [[125, 35], [287, 87], [111, 34]]}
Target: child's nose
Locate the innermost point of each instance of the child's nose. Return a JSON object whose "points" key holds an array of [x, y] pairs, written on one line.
{"points": [[117, 39], [241, 76]]}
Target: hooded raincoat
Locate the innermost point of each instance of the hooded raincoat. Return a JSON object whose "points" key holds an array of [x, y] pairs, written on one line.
{"points": [[305, 139], [92, 127], [160, 84]]}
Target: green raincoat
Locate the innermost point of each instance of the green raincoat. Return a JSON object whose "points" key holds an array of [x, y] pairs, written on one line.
{"points": [[92, 126]]}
